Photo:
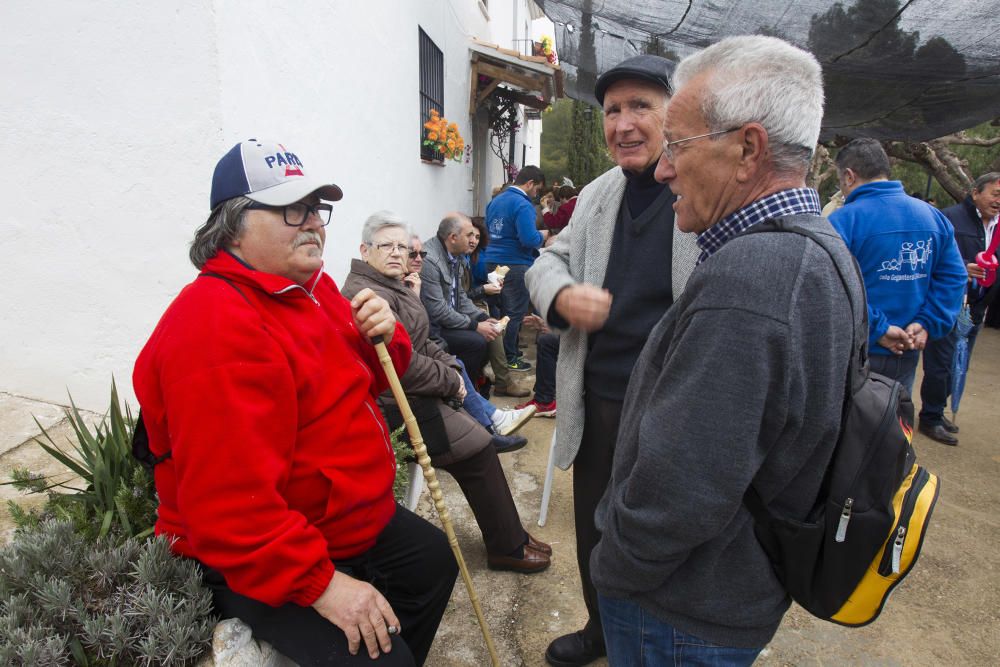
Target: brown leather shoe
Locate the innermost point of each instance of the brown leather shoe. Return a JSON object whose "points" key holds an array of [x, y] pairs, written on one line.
{"points": [[539, 546], [507, 390], [533, 561]]}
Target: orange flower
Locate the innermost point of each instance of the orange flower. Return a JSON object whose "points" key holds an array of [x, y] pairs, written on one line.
{"points": [[443, 137]]}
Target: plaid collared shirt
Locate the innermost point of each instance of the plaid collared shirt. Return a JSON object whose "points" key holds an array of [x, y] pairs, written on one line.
{"points": [[785, 202]]}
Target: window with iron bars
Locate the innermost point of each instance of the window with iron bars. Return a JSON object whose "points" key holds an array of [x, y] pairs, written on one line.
{"points": [[431, 89]]}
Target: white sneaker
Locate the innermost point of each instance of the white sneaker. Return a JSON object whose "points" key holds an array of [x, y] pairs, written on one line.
{"points": [[506, 422]]}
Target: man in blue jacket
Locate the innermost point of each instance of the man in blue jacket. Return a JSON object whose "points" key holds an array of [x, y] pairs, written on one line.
{"points": [[914, 275], [975, 223], [514, 242]]}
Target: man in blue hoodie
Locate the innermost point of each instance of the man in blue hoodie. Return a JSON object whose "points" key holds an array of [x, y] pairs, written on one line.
{"points": [[514, 242], [914, 275]]}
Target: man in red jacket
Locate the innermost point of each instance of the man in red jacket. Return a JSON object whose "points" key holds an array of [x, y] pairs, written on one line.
{"points": [[258, 392]]}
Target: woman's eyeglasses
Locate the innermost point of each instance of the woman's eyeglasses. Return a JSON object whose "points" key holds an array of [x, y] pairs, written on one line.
{"points": [[389, 247], [413, 254]]}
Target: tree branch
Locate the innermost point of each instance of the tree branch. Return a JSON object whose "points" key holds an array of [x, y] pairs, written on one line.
{"points": [[946, 167], [962, 139], [821, 168]]}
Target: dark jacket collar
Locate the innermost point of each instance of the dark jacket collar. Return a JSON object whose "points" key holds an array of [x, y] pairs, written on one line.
{"points": [[971, 210]]}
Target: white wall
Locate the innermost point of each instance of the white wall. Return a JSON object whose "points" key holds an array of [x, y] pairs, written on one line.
{"points": [[114, 115]]}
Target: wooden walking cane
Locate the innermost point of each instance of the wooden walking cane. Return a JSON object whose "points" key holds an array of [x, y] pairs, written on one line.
{"points": [[420, 449]]}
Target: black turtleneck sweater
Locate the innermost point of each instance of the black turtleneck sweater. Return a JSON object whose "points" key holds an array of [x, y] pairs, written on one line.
{"points": [[639, 279]]}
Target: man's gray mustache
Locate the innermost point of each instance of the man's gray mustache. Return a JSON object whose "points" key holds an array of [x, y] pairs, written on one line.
{"points": [[308, 237]]}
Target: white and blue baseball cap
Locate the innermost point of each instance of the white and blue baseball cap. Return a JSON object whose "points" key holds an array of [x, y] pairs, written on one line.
{"points": [[267, 173]]}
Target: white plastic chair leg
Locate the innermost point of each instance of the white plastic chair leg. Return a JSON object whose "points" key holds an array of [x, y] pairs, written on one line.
{"points": [[543, 513], [416, 486]]}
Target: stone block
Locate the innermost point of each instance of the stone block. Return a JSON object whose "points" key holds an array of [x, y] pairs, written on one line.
{"points": [[233, 645], [16, 419]]}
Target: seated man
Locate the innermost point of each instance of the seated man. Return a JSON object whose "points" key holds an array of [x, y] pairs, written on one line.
{"points": [[258, 391], [453, 317], [459, 445], [546, 357]]}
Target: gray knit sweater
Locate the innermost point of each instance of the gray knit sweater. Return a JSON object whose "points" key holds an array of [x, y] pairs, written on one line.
{"points": [[741, 381]]}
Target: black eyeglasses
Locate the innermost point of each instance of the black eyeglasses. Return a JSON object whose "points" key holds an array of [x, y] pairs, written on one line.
{"points": [[413, 254], [296, 214]]}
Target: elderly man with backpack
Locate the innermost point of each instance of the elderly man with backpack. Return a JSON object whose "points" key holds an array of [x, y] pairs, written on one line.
{"points": [[741, 383]]}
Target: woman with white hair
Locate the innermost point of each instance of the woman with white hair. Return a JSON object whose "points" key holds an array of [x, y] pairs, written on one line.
{"points": [[434, 386]]}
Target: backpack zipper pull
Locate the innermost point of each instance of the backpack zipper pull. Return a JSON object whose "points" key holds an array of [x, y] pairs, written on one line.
{"points": [[845, 517], [897, 549]]}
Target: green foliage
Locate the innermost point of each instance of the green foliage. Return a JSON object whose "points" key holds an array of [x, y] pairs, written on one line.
{"points": [[118, 496], [556, 122], [404, 454], [66, 598], [573, 143], [589, 157]]}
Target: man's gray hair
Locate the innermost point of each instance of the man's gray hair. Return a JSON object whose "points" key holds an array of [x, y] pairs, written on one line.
{"points": [[224, 225], [450, 224], [866, 158], [984, 180], [380, 220], [760, 79]]}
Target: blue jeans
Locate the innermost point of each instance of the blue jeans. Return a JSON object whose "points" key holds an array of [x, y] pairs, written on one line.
{"points": [[477, 406], [902, 367], [636, 638], [515, 302]]}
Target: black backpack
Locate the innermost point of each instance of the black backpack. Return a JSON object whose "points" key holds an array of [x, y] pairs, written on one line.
{"points": [[865, 531]]}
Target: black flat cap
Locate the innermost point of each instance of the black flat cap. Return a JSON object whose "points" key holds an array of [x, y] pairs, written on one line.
{"points": [[646, 67]]}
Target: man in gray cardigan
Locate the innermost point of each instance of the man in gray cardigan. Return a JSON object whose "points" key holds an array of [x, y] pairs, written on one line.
{"points": [[455, 320], [621, 242], [742, 381]]}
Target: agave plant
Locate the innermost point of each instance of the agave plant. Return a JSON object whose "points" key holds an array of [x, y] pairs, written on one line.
{"points": [[117, 495]]}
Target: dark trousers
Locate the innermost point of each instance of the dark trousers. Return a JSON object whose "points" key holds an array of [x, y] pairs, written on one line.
{"points": [[482, 481], [469, 346], [515, 302], [900, 367], [547, 354], [411, 564], [992, 319], [591, 474], [936, 386]]}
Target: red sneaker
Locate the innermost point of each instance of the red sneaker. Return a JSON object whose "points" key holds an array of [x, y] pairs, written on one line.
{"points": [[541, 409]]}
